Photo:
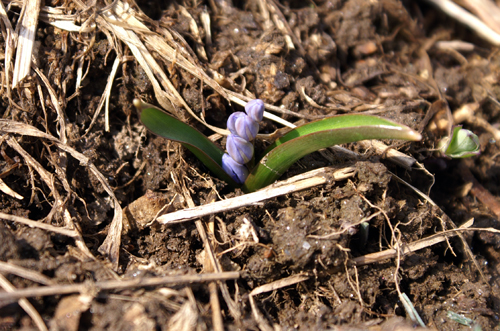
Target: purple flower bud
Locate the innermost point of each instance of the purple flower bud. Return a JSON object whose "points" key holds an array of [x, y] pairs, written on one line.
{"points": [[239, 149], [231, 121], [255, 109], [242, 125], [237, 171]]}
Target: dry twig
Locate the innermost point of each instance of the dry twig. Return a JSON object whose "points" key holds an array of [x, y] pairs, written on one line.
{"points": [[40, 225], [25, 273], [211, 263], [295, 279], [294, 184], [468, 19], [10, 38], [24, 303], [417, 245], [118, 285], [7, 190]]}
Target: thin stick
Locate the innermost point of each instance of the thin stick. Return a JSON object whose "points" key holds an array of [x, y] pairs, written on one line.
{"points": [[280, 283], [263, 325], [217, 320], [294, 184], [395, 156], [118, 285], [25, 273], [257, 315], [417, 245], [24, 303], [9, 42], [7, 190], [210, 264], [486, 10], [40, 225], [55, 102], [466, 18], [105, 97]]}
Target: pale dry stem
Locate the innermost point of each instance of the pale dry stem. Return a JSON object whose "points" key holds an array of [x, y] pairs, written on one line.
{"points": [[32, 275], [37, 224], [26, 32], [10, 38], [7, 190], [24, 303], [466, 18], [117, 285], [294, 184], [486, 10], [292, 280]]}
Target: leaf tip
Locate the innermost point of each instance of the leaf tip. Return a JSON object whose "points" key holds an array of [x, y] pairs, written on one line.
{"points": [[138, 104], [414, 135]]}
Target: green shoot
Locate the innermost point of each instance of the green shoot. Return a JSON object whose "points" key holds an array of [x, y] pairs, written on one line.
{"points": [[463, 143], [285, 151], [171, 128], [320, 134]]}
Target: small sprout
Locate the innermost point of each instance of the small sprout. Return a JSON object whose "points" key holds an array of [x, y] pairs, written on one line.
{"points": [[239, 149], [459, 318], [242, 125], [463, 143], [255, 109], [238, 172]]}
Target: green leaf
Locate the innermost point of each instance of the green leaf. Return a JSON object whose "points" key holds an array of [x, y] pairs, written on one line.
{"points": [[320, 134], [171, 128]]}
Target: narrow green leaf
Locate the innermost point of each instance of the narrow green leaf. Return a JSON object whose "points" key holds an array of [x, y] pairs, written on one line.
{"points": [[321, 134], [171, 128], [345, 121]]}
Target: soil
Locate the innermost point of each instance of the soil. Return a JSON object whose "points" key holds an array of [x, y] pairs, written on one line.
{"points": [[363, 56]]}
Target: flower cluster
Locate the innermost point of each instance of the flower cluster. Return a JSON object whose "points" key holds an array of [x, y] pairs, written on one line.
{"points": [[239, 146]]}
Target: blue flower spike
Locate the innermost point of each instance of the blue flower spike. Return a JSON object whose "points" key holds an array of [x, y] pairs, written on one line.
{"points": [[255, 109], [243, 126], [244, 129], [238, 172], [239, 149]]}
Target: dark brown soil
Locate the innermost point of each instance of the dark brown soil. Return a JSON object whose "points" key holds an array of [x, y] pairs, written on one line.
{"points": [[376, 57]]}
